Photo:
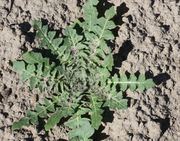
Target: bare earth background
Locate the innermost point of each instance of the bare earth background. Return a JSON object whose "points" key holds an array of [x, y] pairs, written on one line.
{"points": [[148, 40]]}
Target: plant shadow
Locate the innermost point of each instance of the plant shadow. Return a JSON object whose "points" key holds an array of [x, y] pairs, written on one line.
{"points": [[122, 54], [30, 36]]}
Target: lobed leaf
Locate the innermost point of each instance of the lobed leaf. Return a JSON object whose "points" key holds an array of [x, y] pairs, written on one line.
{"points": [[116, 101], [96, 112], [133, 82], [19, 124], [49, 105], [54, 119], [41, 110], [81, 128], [47, 37]]}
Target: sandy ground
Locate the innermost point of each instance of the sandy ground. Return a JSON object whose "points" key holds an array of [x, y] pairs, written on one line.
{"points": [[148, 40]]}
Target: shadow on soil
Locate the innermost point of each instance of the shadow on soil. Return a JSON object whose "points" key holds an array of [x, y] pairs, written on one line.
{"points": [[158, 79], [164, 124], [122, 55]]}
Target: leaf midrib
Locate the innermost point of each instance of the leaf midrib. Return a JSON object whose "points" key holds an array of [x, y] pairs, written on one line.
{"points": [[47, 39]]}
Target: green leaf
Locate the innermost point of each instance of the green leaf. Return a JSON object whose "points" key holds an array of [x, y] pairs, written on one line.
{"points": [[22, 122], [51, 35], [31, 68], [115, 79], [149, 83], [108, 35], [100, 53], [56, 42], [110, 25], [116, 101], [41, 110], [66, 56], [94, 2], [61, 50], [95, 59], [25, 72], [96, 120], [132, 79], [81, 46], [32, 57], [119, 104], [81, 128], [105, 48], [103, 73], [46, 38], [108, 62], [74, 38], [33, 117], [70, 32], [85, 131], [19, 66], [90, 36], [90, 15], [39, 70], [33, 82], [28, 73], [78, 38], [102, 21], [54, 73], [97, 29], [96, 112], [37, 24], [49, 104], [110, 13], [76, 119], [25, 76], [141, 83], [53, 119], [45, 29], [88, 7], [142, 80]]}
